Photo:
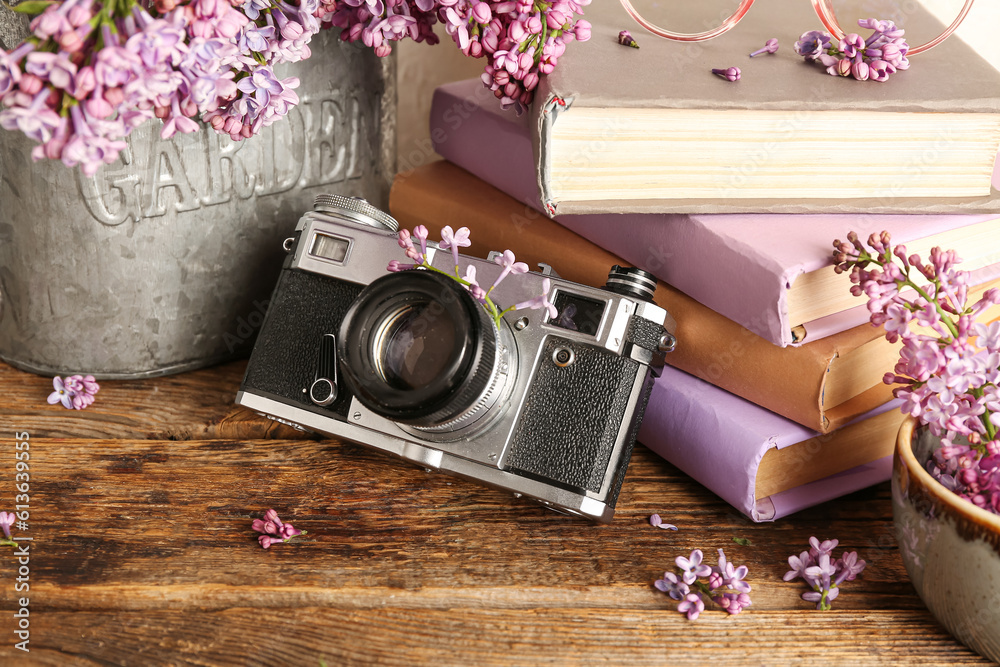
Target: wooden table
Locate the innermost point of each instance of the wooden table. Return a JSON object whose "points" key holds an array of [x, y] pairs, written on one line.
{"points": [[142, 553]]}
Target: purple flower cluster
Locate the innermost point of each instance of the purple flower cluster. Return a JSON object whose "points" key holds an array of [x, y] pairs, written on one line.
{"points": [[521, 39], [949, 367], [822, 572], [875, 58], [685, 584], [75, 392], [273, 530], [453, 240], [94, 70]]}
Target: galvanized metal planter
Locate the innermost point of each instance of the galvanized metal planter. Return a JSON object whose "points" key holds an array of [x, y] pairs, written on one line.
{"points": [[164, 261]]}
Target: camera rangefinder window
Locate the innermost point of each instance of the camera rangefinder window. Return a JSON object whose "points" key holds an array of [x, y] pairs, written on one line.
{"points": [[577, 313], [330, 247], [414, 345]]}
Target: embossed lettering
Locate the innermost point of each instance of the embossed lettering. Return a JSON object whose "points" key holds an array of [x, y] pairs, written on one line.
{"points": [[234, 177], [287, 140], [329, 150], [325, 140], [112, 195], [167, 171]]}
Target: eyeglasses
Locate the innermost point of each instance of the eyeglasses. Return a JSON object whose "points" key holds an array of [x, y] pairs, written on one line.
{"points": [[823, 8]]}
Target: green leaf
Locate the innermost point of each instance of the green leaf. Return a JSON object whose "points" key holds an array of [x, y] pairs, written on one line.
{"points": [[33, 6], [743, 542]]}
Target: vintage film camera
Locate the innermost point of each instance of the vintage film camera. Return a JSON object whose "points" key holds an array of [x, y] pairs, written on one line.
{"points": [[409, 363]]}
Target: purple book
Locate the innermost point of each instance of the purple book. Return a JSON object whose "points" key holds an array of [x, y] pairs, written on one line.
{"points": [[721, 440], [770, 273]]}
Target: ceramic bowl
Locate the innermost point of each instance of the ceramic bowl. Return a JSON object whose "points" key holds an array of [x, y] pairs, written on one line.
{"points": [[950, 547]]}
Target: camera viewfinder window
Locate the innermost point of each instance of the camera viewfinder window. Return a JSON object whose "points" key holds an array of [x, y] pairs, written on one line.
{"points": [[330, 247], [577, 313]]}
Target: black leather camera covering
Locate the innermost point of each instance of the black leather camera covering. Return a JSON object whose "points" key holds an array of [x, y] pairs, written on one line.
{"points": [[303, 308], [567, 428]]}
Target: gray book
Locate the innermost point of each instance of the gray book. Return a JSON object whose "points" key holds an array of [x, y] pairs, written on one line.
{"points": [[652, 130]]}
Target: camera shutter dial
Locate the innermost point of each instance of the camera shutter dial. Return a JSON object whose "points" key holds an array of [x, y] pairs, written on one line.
{"points": [[323, 391]]}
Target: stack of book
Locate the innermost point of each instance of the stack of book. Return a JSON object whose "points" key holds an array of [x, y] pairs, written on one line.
{"points": [[774, 396]]}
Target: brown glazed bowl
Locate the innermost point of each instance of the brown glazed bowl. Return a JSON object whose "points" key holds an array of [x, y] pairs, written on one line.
{"points": [[950, 547]]}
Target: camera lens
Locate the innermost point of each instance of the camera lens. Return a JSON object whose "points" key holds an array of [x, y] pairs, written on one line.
{"points": [[417, 349], [414, 345]]}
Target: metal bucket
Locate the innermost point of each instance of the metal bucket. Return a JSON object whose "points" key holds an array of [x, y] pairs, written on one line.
{"points": [[165, 261]]}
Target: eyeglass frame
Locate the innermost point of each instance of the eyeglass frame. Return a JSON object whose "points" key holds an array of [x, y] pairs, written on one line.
{"points": [[823, 8]]}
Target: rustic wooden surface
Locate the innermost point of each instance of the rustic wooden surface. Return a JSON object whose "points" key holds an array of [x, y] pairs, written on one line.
{"points": [[142, 554]]}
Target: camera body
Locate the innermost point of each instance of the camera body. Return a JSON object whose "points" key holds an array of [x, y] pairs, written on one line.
{"points": [[409, 363]]}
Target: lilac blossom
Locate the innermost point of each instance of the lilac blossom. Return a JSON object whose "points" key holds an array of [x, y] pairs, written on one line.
{"points": [[60, 394], [672, 586], [730, 74], [822, 573], [692, 606], [948, 379], [724, 584], [454, 240], [542, 301], [273, 529], [451, 239], [181, 61], [75, 392], [654, 520], [6, 521], [519, 39], [692, 567], [811, 44], [770, 46], [874, 58]]}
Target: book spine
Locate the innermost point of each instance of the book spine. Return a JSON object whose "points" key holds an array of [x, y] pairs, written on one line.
{"points": [[788, 381]]}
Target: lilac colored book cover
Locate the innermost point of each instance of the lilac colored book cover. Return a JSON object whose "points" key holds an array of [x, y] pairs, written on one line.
{"points": [[719, 439]]}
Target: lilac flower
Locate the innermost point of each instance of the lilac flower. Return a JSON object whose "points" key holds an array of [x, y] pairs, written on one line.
{"points": [[811, 44], [851, 43], [274, 530], [507, 261], [849, 567], [60, 395], [253, 8], [542, 301], [770, 46], [654, 520], [822, 598], [880, 70], [395, 265], [692, 567], [822, 573], [421, 233], [729, 74], [6, 521], [672, 586], [454, 240], [733, 603], [818, 548], [798, 564], [625, 39], [692, 605]]}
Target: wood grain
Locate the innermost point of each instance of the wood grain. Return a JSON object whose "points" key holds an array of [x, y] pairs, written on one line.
{"points": [[142, 553]]}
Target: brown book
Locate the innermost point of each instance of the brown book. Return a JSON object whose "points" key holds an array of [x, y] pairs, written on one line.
{"points": [[821, 385]]}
